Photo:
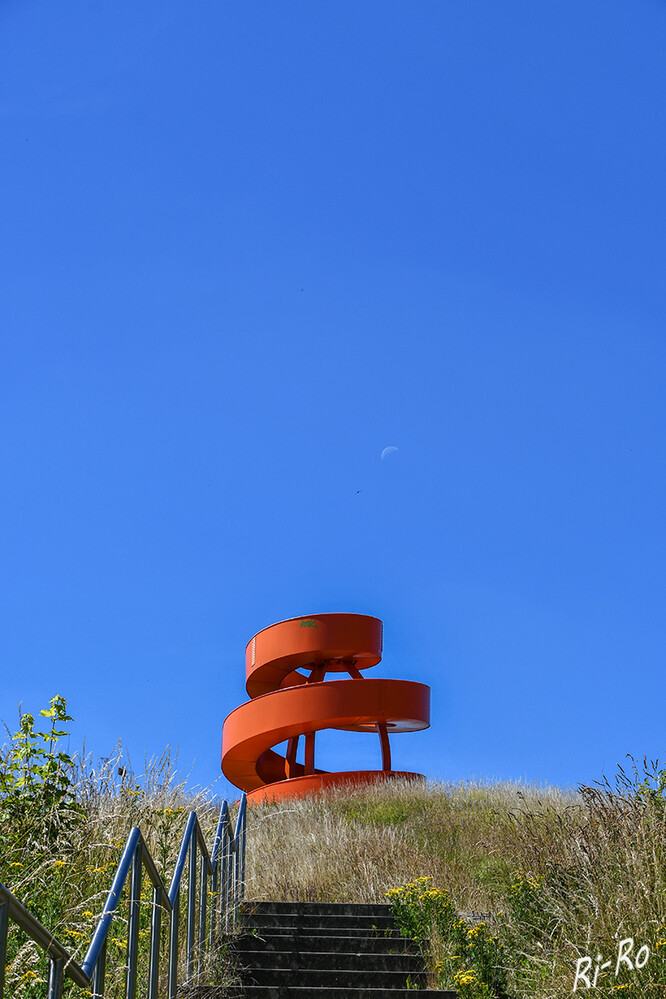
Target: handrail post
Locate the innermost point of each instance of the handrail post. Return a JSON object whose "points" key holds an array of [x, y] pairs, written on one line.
{"points": [[173, 947], [4, 926], [244, 829], [223, 884], [191, 902], [230, 882], [239, 866], [98, 974], [216, 881], [56, 968], [133, 925], [237, 873], [155, 926], [235, 893], [214, 893], [203, 900]]}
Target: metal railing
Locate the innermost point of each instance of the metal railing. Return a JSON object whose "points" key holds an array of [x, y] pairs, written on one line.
{"points": [[224, 867]]}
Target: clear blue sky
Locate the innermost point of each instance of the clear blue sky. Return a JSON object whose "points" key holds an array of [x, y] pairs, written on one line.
{"points": [[245, 247]]}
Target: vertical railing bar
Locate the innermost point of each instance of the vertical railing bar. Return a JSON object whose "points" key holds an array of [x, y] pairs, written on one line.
{"points": [[227, 864], [244, 828], [217, 862], [213, 906], [4, 927], [236, 881], [219, 832], [155, 927], [239, 891], [223, 886], [239, 845], [173, 947], [98, 974], [203, 901], [232, 874], [133, 925], [230, 882], [56, 966], [191, 902]]}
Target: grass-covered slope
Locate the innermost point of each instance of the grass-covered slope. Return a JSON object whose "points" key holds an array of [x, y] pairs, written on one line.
{"points": [[559, 876]]}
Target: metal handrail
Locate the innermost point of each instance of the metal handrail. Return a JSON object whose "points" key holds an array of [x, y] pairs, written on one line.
{"points": [[224, 867]]}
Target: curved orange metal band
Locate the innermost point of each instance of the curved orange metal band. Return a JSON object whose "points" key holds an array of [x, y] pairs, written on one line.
{"points": [[299, 787], [286, 703], [272, 656]]}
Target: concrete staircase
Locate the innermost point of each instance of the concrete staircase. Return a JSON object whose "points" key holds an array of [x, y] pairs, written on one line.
{"points": [[326, 951]]}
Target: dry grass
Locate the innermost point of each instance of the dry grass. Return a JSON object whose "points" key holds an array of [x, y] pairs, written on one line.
{"points": [[65, 886], [353, 845], [560, 874]]}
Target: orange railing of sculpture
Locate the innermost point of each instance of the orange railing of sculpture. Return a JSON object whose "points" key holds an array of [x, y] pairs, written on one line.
{"points": [[286, 668]]}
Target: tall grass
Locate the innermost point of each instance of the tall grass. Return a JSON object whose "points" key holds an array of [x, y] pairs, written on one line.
{"points": [[539, 877], [554, 875], [64, 883]]}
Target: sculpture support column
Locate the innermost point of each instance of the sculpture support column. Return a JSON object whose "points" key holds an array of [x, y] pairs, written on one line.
{"points": [[386, 747]]}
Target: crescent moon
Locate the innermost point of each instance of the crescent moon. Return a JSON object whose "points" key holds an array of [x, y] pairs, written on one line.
{"points": [[389, 450]]}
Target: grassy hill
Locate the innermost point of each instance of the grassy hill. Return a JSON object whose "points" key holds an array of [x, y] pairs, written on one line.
{"points": [[557, 876]]}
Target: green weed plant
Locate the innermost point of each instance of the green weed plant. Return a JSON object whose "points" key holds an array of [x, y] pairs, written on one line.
{"points": [[63, 826], [463, 955], [37, 796]]}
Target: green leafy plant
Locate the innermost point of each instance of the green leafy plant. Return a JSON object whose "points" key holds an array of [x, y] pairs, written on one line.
{"points": [[471, 960], [470, 986], [63, 824], [418, 906], [525, 900], [37, 795]]}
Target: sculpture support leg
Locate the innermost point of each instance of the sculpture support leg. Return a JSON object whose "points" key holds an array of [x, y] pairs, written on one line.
{"points": [[292, 748], [309, 752], [386, 748]]}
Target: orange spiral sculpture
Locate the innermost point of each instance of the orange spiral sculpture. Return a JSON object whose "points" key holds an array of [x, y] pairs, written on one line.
{"points": [[286, 667]]}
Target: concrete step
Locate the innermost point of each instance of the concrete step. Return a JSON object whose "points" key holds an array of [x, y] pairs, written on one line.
{"points": [[343, 929], [307, 921], [325, 950], [332, 943], [294, 960], [319, 908], [331, 978], [313, 992]]}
